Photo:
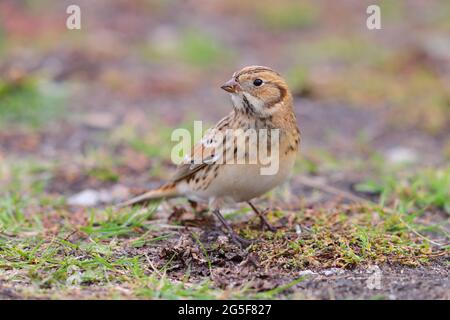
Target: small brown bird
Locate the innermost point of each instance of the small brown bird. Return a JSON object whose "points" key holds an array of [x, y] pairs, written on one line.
{"points": [[262, 103]]}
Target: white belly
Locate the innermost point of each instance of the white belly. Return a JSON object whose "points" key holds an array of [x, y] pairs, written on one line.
{"points": [[241, 182]]}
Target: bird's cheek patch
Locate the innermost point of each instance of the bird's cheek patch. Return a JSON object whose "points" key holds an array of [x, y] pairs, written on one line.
{"points": [[255, 102]]}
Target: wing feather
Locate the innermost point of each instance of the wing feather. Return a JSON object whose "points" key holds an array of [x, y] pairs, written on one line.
{"points": [[206, 152]]}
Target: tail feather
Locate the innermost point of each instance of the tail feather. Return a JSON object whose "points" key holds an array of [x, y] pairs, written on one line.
{"points": [[167, 191]]}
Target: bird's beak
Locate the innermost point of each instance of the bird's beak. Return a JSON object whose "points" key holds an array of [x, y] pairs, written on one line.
{"points": [[231, 86]]}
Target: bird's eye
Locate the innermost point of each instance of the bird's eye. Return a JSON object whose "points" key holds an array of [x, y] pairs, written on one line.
{"points": [[257, 82]]}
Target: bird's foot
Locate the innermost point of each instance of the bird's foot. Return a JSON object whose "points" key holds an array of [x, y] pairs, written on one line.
{"points": [[262, 217], [265, 222], [240, 241]]}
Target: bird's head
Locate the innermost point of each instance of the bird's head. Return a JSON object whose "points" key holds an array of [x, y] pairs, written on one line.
{"points": [[258, 91]]}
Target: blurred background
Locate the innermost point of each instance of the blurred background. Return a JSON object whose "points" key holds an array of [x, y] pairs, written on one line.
{"points": [[94, 108]]}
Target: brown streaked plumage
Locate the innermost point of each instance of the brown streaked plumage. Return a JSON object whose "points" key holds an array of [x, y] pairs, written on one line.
{"points": [[261, 100]]}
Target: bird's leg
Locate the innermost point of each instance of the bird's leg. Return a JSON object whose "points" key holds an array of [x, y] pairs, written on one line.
{"points": [[261, 216], [241, 242]]}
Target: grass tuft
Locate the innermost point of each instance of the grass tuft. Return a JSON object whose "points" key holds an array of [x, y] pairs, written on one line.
{"points": [[345, 237]]}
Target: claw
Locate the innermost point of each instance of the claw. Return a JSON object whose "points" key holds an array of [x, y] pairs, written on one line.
{"points": [[262, 217], [239, 241]]}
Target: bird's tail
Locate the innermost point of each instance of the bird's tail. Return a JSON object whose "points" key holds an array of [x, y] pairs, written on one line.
{"points": [[168, 190]]}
